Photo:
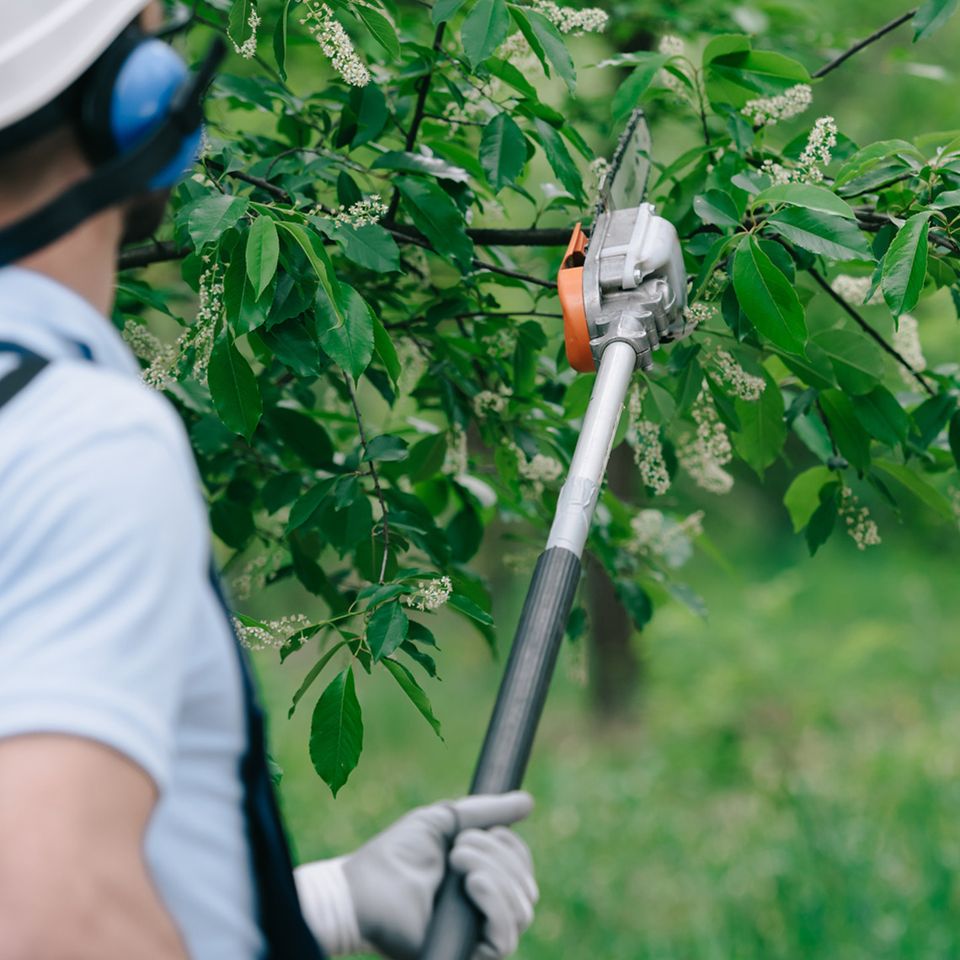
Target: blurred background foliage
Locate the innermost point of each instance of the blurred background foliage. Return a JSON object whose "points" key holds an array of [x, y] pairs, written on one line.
{"points": [[777, 778]]}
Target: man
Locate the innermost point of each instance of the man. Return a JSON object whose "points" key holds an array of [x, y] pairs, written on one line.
{"points": [[136, 818]]}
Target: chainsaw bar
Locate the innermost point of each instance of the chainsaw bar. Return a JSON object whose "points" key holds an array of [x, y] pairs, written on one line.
{"points": [[625, 182]]}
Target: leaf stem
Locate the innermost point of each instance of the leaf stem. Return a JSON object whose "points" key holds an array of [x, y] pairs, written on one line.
{"points": [[857, 47]]}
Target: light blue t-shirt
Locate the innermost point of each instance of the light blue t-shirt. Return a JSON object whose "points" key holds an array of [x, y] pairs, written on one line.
{"points": [[109, 627]]}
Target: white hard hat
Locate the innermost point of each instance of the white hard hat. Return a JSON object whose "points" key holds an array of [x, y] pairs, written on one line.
{"points": [[47, 44]]}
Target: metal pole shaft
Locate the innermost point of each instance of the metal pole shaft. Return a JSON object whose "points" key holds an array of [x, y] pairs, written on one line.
{"points": [[454, 928]]}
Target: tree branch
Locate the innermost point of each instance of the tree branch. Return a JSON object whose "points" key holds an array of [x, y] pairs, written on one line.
{"points": [[867, 329], [373, 475], [857, 47], [266, 185]]}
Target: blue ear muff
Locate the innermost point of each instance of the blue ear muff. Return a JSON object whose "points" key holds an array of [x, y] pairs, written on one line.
{"points": [[143, 89]]}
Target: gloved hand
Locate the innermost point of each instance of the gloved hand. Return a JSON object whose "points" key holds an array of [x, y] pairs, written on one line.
{"points": [[382, 895]]}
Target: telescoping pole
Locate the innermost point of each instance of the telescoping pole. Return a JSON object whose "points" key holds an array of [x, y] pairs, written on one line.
{"points": [[454, 931]]}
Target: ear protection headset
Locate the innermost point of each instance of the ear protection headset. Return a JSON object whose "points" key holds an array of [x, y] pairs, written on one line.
{"points": [[138, 113]]}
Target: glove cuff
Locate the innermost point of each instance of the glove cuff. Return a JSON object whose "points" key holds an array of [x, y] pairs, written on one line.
{"points": [[327, 906]]}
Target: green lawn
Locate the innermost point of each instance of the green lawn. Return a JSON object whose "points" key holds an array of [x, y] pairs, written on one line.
{"points": [[791, 788]]}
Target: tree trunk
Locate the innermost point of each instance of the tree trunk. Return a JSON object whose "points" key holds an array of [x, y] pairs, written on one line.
{"points": [[614, 664]]}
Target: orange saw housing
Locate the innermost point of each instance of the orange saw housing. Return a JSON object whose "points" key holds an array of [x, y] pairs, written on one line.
{"points": [[570, 288]]}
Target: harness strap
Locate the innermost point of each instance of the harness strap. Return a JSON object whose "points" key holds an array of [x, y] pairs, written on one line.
{"points": [[21, 376]]}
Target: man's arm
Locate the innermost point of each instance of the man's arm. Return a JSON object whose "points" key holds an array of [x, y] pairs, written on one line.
{"points": [[73, 881]]}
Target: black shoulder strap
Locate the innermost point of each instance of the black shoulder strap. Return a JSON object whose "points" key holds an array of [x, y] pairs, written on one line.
{"points": [[21, 375]]}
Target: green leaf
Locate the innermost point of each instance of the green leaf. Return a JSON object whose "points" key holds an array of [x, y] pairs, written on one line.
{"points": [[546, 42], [381, 29], [369, 246], [931, 417], [349, 342], [824, 518], [336, 731], [806, 195], [882, 417], [439, 218], [234, 388], [717, 207], [238, 25], [484, 29], [762, 432], [418, 163], [280, 40], [313, 248], [739, 76], [954, 436], [308, 507], [919, 487], [387, 448], [803, 495], [426, 457], [821, 233], [845, 429], [387, 629], [767, 297], [385, 349], [503, 151], [857, 361], [312, 675], [414, 691], [213, 216], [443, 10], [467, 607], [303, 435], [631, 91], [931, 16], [559, 159], [905, 264], [263, 253]]}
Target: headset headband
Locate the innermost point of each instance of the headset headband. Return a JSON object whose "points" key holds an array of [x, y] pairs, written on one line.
{"points": [[119, 178]]}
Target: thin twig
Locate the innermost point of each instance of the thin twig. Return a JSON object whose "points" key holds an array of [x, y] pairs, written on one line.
{"points": [[857, 47], [266, 185], [373, 475], [867, 329]]}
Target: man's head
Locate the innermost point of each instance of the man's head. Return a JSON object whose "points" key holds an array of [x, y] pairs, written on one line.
{"points": [[109, 89]]}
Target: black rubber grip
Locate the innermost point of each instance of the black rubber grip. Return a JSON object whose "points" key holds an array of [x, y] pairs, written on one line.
{"points": [[455, 926]]}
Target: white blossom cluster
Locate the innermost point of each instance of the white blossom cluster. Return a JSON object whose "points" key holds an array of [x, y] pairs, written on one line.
{"points": [[488, 401], [704, 454], [253, 578], [644, 437], [273, 633], [855, 289], [698, 313], [599, 168], [660, 536], [766, 111], [335, 43], [248, 49], [541, 469], [502, 343], [371, 209], [209, 311], [570, 20], [817, 154], [456, 460], [413, 365], [160, 356], [744, 385], [430, 594], [906, 341], [861, 527], [671, 46]]}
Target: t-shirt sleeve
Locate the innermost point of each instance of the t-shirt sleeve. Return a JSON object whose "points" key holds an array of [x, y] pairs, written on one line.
{"points": [[103, 559]]}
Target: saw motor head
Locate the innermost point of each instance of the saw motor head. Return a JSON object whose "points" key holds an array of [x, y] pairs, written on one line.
{"points": [[627, 282]]}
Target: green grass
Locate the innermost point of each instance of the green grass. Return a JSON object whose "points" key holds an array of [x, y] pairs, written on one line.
{"points": [[789, 789]]}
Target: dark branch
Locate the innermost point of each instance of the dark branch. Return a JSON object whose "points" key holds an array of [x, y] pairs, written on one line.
{"points": [[867, 329], [857, 47], [158, 252], [266, 185]]}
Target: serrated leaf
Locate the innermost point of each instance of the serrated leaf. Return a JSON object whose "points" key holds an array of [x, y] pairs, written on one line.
{"points": [[234, 389], [213, 216], [767, 297], [381, 29], [824, 518], [336, 731], [741, 75], [484, 29], [350, 342], [443, 10], [803, 495], [414, 692], [559, 159], [931, 16], [806, 195], [280, 40], [387, 629], [546, 42], [631, 91], [905, 264], [503, 151], [467, 607], [263, 253], [439, 218], [312, 675], [821, 233]]}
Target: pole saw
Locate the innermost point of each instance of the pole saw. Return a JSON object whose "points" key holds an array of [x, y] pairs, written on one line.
{"points": [[623, 293]]}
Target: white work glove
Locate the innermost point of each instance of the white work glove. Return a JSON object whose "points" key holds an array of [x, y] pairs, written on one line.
{"points": [[381, 897]]}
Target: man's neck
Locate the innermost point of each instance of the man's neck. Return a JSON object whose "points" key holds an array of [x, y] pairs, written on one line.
{"points": [[85, 260]]}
